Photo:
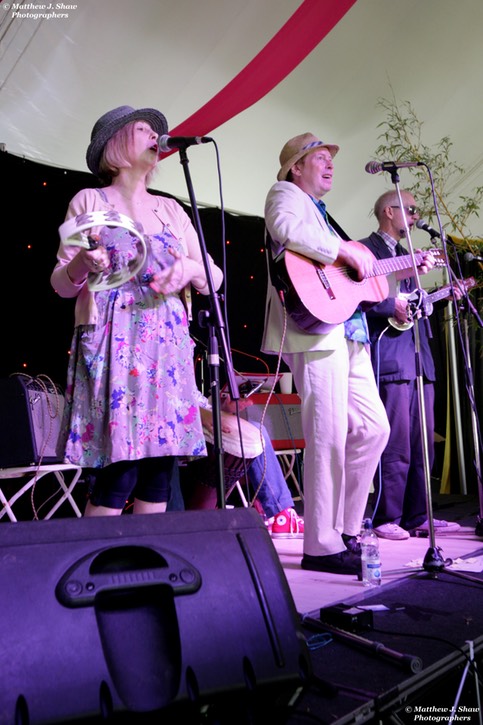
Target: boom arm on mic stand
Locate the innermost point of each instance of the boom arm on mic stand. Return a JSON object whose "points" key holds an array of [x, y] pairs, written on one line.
{"points": [[434, 235], [170, 143], [374, 167]]}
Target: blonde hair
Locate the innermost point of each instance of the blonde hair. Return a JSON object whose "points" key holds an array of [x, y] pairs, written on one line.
{"points": [[115, 154]]}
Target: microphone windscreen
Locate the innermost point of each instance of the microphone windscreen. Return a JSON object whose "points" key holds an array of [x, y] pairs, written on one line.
{"points": [[373, 167]]}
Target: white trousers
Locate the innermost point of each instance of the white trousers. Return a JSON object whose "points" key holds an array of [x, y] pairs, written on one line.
{"points": [[346, 429]]}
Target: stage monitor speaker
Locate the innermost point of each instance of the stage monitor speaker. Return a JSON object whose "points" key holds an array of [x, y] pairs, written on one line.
{"points": [[30, 419], [282, 418], [145, 614]]}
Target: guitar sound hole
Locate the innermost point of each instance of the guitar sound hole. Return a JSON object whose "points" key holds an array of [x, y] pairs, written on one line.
{"points": [[352, 275]]}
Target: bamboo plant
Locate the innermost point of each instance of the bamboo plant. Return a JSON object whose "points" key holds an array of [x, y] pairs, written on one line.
{"points": [[401, 139]]}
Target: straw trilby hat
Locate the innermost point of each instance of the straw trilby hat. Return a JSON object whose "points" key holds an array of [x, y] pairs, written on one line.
{"points": [[298, 147], [112, 121]]}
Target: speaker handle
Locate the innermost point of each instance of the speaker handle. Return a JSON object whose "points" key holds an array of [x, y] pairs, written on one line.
{"points": [[122, 568]]}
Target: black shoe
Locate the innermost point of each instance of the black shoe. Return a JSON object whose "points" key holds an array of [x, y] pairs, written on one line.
{"points": [[345, 562], [352, 544]]}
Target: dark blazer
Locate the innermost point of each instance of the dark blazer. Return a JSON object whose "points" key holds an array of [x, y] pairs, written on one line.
{"points": [[394, 354]]}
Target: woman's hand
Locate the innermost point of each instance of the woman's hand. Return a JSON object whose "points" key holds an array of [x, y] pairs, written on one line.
{"points": [[94, 260], [175, 277]]}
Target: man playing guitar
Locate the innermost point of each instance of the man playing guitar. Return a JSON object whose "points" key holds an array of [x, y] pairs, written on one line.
{"points": [[400, 490]]}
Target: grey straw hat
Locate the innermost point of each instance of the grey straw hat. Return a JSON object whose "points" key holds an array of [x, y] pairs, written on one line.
{"points": [[112, 121], [298, 147]]}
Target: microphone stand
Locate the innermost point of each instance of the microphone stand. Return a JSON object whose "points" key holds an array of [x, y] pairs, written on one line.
{"points": [[467, 307], [474, 424], [213, 319], [433, 561]]}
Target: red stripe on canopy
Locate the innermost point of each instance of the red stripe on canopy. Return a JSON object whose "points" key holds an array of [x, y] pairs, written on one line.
{"points": [[304, 30]]}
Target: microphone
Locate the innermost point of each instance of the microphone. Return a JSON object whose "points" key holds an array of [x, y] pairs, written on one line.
{"points": [[472, 257], [422, 225], [374, 167], [167, 143]]}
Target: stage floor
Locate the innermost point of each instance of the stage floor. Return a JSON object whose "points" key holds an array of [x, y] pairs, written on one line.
{"points": [[428, 623], [312, 590]]}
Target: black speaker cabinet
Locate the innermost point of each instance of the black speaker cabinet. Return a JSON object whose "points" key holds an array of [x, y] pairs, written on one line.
{"points": [[144, 614], [30, 420]]}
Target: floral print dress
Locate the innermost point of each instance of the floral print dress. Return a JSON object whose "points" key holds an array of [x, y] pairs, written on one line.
{"points": [[131, 390]]}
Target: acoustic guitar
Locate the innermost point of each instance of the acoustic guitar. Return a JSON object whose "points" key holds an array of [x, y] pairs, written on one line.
{"points": [[318, 296]]}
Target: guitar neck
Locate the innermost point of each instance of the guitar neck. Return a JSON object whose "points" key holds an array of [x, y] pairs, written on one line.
{"points": [[396, 264], [440, 294], [443, 292]]}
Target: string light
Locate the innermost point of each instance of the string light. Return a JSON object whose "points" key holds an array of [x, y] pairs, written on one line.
{"points": [[241, 261]]}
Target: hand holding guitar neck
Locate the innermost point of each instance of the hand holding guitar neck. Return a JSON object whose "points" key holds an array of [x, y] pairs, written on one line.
{"points": [[329, 294]]}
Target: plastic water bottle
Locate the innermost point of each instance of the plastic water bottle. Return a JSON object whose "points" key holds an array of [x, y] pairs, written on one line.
{"points": [[370, 558]]}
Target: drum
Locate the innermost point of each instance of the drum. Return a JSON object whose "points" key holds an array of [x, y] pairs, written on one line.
{"points": [[199, 476]]}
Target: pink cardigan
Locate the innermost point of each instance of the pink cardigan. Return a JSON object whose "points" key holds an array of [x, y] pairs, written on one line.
{"points": [[89, 200]]}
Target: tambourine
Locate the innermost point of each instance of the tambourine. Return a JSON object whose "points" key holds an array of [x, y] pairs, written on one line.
{"points": [[71, 233]]}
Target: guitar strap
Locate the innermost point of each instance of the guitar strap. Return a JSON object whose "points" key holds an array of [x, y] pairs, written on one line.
{"points": [[342, 234]]}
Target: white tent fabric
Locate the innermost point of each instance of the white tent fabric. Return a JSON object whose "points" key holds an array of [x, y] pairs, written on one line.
{"points": [[58, 75]]}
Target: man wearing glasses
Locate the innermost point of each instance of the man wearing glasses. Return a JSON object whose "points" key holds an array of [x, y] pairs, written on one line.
{"points": [[400, 490]]}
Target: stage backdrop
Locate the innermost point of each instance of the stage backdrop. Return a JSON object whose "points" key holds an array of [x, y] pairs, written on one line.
{"points": [[38, 324]]}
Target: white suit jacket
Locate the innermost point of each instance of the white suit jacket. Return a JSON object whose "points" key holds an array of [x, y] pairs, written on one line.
{"points": [[294, 222]]}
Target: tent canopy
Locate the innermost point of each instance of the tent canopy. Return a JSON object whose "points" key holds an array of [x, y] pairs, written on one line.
{"points": [[59, 74]]}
